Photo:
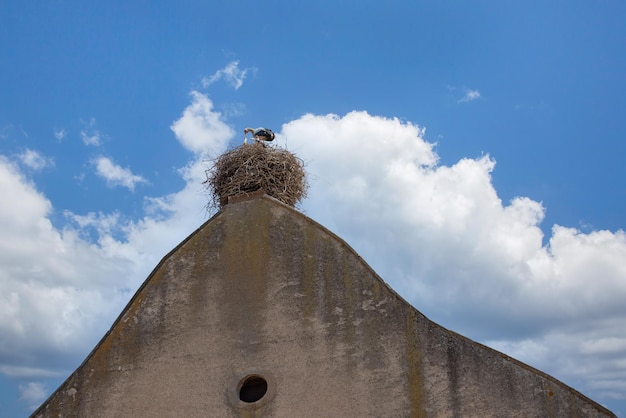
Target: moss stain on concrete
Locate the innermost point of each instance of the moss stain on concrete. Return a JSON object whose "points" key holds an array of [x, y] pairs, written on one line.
{"points": [[310, 267], [204, 261], [414, 367], [245, 249]]}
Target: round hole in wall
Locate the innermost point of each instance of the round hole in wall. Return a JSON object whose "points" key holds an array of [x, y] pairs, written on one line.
{"points": [[252, 389]]}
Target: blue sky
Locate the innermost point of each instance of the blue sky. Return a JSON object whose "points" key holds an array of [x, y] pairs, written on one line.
{"points": [[467, 150]]}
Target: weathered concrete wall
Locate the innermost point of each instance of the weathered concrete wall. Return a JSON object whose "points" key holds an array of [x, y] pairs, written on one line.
{"points": [[262, 290]]}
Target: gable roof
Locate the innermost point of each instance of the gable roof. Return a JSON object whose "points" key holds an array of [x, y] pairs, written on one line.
{"points": [[264, 312]]}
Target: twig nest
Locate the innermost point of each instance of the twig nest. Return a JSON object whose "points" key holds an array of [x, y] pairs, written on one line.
{"points": [[252, 167]]}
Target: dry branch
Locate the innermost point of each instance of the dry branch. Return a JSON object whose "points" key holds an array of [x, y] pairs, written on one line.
{"points": [[253, 167]]}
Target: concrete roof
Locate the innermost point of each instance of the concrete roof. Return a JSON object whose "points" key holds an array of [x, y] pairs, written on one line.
{"points": [[262, 312]]}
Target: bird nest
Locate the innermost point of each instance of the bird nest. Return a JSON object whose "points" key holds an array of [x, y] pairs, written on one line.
{"points": [[252, 167]]}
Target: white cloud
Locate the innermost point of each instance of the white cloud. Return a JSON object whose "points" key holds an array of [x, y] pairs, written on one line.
{"points": [[33, 394], [443, 238], [470, 95], [59, 134], [90, 135], [60, 289], [231, 73], [57, 291], [116, 175], [200, 129], [34, 160]]}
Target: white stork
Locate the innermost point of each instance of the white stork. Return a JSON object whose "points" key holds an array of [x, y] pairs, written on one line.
{"points": [[258, 134]]}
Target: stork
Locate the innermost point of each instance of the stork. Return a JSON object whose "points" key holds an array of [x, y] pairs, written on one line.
{"points": [[258, 134]]}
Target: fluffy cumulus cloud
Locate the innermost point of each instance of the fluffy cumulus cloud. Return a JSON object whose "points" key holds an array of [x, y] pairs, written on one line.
{"points": [[440, 235], [116, 175], [61, 288], [200, 129], [443, 238], [50, 302]]}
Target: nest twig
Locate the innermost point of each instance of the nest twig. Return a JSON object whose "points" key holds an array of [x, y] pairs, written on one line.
{"points": [[252, 167]]}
